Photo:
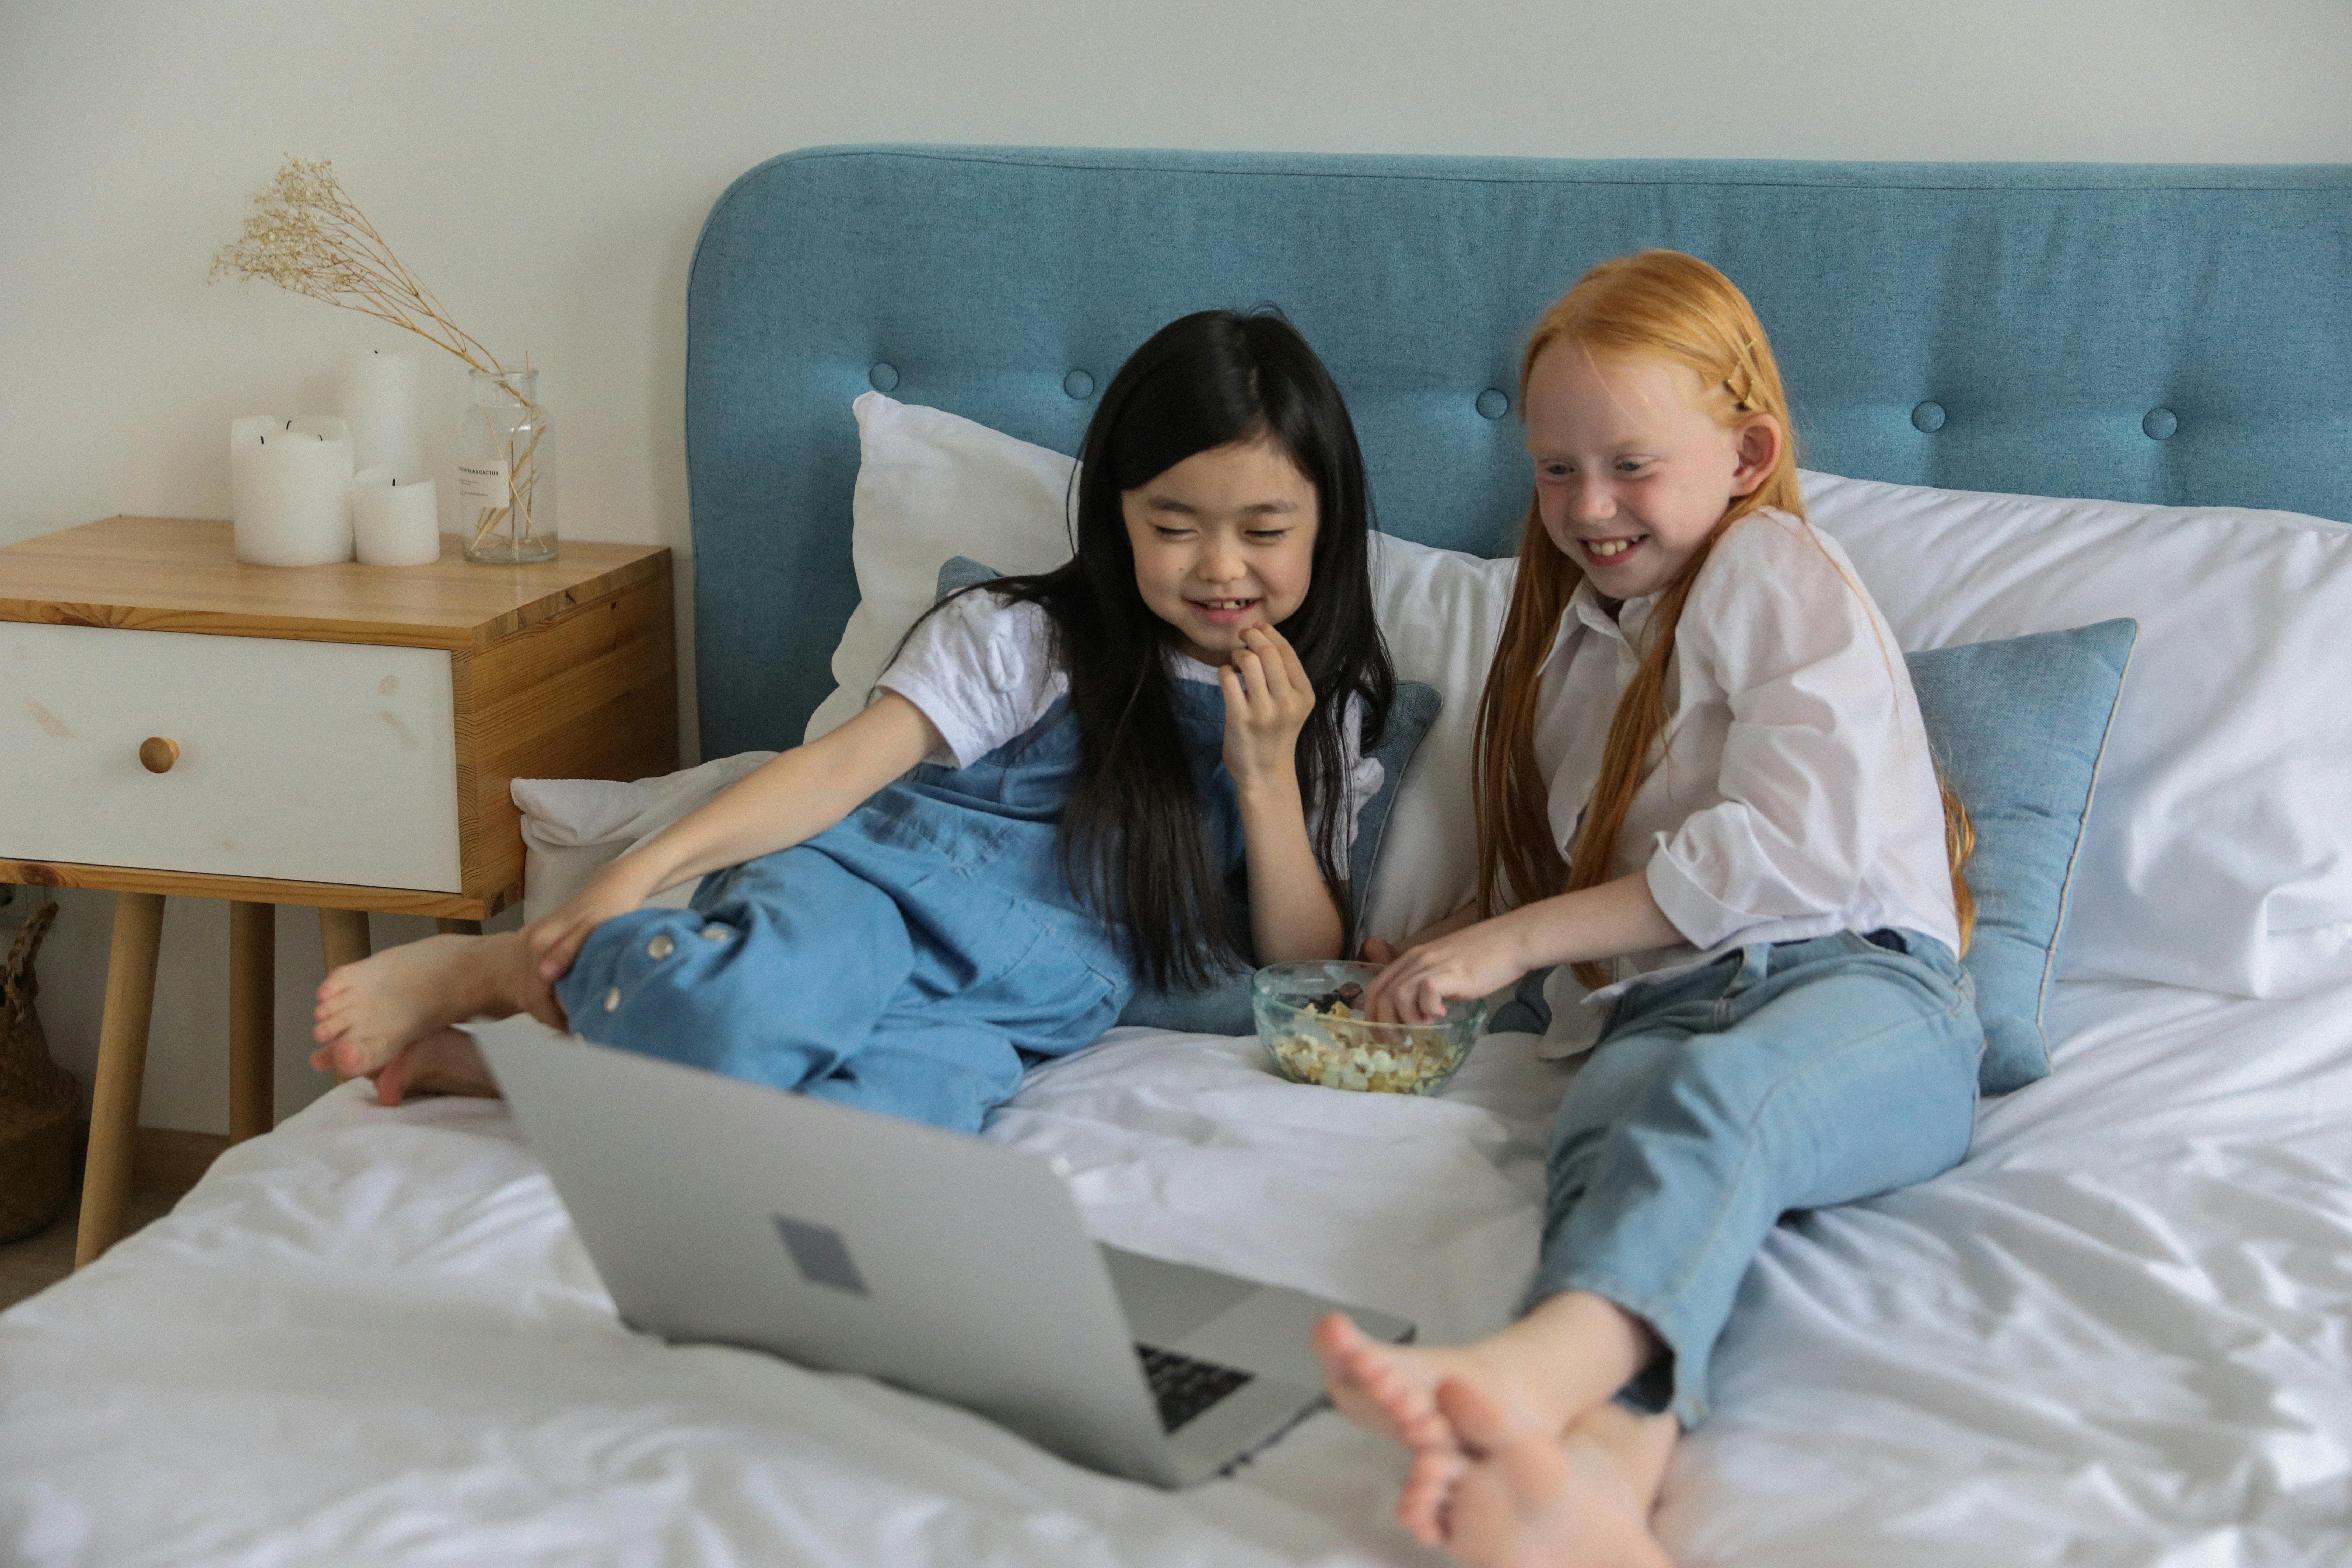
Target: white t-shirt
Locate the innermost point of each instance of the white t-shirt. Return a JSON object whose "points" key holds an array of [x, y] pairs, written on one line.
{"points": [[984, 672], [1797, 795]]}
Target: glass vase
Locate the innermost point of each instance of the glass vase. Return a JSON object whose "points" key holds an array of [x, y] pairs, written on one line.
{"points": [[506, 471]]}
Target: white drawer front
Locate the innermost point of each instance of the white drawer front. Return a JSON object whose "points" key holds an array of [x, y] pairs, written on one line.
{"points": [[310, 762]]}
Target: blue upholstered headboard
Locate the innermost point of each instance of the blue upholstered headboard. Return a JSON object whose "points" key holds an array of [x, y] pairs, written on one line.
{"points": [[2138, 332]]}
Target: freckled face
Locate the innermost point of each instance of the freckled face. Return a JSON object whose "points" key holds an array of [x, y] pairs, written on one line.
{"points": [[1223, 541], [1632, 469]]}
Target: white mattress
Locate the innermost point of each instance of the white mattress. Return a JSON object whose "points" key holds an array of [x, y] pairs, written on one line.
{"points": [[2122, 1333]]}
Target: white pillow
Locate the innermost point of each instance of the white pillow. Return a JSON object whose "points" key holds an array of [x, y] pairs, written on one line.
{"points": [[2218, 853], [931, 485], [1442, 612], [573, 827]]}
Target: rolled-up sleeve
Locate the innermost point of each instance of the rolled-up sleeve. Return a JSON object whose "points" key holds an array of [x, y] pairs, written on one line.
{"points": [[1810, 681]]}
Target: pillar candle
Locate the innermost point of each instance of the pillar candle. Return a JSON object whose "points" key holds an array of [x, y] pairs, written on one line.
{"points": [[394, 524], [378, 391], [291, 481]]}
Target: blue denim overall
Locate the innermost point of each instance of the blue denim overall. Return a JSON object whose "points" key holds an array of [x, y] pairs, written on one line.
{"points": [[907, 959], [1783, 1075]]}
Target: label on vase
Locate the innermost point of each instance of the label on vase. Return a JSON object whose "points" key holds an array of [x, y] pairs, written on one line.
{"points": [[482, 485]]}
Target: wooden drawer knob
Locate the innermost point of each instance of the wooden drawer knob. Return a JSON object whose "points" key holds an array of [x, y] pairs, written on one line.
{"points": [[157, 754]]}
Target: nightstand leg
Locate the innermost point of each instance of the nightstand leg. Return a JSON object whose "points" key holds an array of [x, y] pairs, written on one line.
{"points": [[121, 1071], [252, 1025], [345, 934]]}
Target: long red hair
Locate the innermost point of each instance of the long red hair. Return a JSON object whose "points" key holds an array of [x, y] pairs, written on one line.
{"points": [[1666, 304]]}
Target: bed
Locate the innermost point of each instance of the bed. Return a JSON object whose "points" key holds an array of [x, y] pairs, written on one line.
{"points": [[2116, 1334]]}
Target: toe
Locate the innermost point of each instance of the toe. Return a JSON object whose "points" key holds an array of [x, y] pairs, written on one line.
{"points": [[1476, 1419], [1335, 1336], [1420, 1506], [1405, 1401]]}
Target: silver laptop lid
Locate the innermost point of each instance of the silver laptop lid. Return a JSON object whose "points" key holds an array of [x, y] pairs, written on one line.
{"points": [[720, 1210]]}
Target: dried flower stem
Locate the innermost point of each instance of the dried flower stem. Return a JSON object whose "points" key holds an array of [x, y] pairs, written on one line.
{"points": [[521, 482], [307, 237]]}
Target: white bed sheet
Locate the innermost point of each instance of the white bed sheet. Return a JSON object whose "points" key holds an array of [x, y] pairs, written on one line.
{"points": [[2117, 1335]]}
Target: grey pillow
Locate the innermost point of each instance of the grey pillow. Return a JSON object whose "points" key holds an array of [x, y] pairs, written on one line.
{"points": [[1224, 1008]]}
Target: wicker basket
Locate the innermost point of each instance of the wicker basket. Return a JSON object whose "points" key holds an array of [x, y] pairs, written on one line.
{"points": [[38, 1097]]}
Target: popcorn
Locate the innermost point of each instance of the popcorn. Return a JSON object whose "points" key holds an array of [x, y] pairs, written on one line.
{"points": [[1337, 1050], [1311, 1016]]}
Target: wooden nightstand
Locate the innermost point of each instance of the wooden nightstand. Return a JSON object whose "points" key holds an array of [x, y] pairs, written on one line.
{"points": [[340, 737]]}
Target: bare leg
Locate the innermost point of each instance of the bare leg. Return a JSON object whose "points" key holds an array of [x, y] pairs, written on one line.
{"points": [[446, 1061], [1535, 1499], [370, 1011]]}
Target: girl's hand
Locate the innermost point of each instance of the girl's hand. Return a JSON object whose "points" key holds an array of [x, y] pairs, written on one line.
{"points": [[1474, 961], [1268, 701], [1379, 952], [554, 940]]}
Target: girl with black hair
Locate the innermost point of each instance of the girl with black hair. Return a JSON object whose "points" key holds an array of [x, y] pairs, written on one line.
{"points": [[1142, 768]]}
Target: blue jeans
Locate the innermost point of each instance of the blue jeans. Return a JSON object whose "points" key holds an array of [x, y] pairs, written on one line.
{"points": [[909, 961], [1778, 1077]]}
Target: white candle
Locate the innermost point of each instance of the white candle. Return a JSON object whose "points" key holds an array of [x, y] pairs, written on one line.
{"points": [[394, 524], [292, 483], [378, 388]]}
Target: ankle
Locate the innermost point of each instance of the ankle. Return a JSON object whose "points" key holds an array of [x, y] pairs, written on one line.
{"points": [[1637, 1447], [1571, 1353], [465, 978], [509, 976]]}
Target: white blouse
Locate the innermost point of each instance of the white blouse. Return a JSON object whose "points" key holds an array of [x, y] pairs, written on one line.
{"points": [[1796, 795], [984, 672]]}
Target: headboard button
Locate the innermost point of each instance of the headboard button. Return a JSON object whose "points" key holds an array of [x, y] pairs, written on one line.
{"points": [[1928, 417], [1494, 403], [2160, 424], [1078, 385], [884, 376]]}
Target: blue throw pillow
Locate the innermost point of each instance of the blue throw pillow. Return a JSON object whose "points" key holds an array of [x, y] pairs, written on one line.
{"points": [[1225, 1008], [2018, 727]]}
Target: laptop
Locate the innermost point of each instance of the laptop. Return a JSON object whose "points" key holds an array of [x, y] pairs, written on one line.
{"points": [[722, 1211]]}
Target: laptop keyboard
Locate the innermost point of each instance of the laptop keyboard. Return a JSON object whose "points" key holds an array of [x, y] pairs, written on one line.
{"points": [[1184, 1386]]}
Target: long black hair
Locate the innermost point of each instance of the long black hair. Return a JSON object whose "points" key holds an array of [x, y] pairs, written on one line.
{"points": [[1132, 837]]}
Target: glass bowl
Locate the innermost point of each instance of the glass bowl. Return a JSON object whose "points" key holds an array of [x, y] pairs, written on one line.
{"points": [[1295, 1002]]}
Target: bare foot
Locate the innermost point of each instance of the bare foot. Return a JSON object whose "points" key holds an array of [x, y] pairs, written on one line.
{"points": [[1389, 1389], [369, 1011], [446, 1061], [1526, 1498], [1573, 1351], [1638, 1446]]}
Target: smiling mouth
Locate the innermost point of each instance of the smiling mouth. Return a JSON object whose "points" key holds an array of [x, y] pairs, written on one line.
{"points": [[1221, 607], [1606, 550]]}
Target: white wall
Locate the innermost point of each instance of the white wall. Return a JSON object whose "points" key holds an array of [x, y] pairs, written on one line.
{"points": [[546, 166]]}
